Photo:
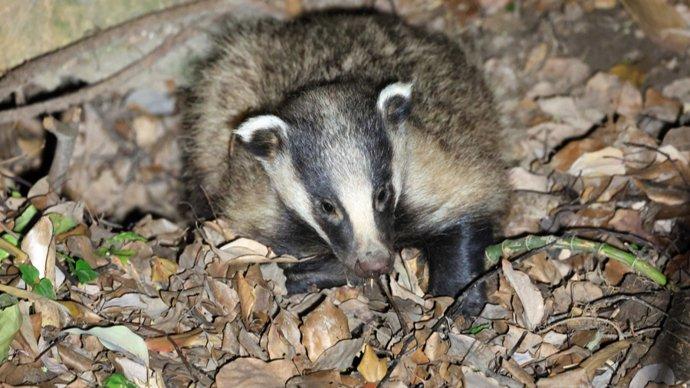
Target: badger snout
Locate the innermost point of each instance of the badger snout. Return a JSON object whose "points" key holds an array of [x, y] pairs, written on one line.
{"points": [[374, 263]]}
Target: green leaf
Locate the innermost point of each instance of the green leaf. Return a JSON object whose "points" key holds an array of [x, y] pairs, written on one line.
{"points": [[45, 288], [25, 218], [29, 273], [4, 254], [61, 224], [10, 322], [118, 338], [16, 194], [118, 380], [478, 328], [84, 272], [123, 237]]}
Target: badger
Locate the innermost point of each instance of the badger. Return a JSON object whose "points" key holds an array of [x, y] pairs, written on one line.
{"points": [[343, 137]]}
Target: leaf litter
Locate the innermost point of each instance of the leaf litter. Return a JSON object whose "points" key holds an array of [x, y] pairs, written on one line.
{"points": [[97, 291]]}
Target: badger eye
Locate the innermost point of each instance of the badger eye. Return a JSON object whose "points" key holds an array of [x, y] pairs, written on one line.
{"points": [[381, 198], [327, 207]]}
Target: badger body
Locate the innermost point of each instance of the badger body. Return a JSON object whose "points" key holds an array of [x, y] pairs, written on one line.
{"points": [[344, 137]]}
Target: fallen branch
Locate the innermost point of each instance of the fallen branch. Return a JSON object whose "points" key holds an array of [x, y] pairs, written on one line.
{"points": [[18, 76], [576, 245], [89, 92]]}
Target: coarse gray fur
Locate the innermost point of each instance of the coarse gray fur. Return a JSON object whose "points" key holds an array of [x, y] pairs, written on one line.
{"points": [[450, 155]]}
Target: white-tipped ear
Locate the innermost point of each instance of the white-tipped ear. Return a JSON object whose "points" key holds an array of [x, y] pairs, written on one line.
{"points": [[262, 135], [247, 129], [394, 101]]}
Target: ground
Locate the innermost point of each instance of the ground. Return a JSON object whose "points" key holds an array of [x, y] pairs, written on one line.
{"points": [[107, 279]]}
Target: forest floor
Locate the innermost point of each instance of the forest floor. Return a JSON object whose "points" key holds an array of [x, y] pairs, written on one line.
{"points": [[123, 288]]}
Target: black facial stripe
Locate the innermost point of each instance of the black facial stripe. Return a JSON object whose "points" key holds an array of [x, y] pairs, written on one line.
{"points": [[294, 236], [312, 140]]}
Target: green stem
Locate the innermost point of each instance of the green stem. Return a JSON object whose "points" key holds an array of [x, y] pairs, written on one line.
{"points": [[519, 246]]}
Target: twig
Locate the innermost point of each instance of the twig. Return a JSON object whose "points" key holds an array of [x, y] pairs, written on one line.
{"points": [[16, 252], [631, 334], [396, 308], [585, 320], [19, 75], [66, 132], [510, 247]]}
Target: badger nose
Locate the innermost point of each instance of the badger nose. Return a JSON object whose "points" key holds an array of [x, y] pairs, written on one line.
{"points": [[374, 264]]}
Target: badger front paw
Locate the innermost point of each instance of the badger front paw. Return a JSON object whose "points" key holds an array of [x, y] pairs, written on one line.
{"points": [[319, 273]]}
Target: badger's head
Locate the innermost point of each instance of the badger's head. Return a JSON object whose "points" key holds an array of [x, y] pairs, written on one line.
{"points": [[329, 154]]}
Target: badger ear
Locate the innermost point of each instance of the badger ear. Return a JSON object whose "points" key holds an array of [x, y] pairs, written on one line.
{"points": [[263, 135], [394, 102]]}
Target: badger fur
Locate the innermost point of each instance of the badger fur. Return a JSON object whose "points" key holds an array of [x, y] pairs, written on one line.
{"points": [[345, 136]]}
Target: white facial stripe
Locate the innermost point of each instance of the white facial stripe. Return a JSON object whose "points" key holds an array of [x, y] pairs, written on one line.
{"points": [[248, 128], [397, 89], [352, 183], [292, 192]]}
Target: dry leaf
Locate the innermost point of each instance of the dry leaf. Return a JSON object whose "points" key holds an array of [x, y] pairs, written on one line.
{"points": [[252, 372], [521, 179], [339, 356], [225, 296], [38, 244], [323, 328], [284, 336], [528, 293], [565, 109], [605, 162], [164, 344], [371, 367], [247, 298], [654, 373], [162, 269]]}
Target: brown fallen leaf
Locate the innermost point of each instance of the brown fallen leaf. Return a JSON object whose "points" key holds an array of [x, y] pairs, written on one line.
{"points": [[163, 344], [660, 107], [162, 269], [541, 269], [252, 372], [80, 313], [528, 293], [339, 356], [605, 162], [371, 367], [247, 297], [435, 347], [284, 336], [663, 193], [225, 296], [323, 328]]}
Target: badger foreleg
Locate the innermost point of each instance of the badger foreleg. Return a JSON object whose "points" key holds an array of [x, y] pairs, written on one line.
{"points": [[321, 272], [455, 259]]}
